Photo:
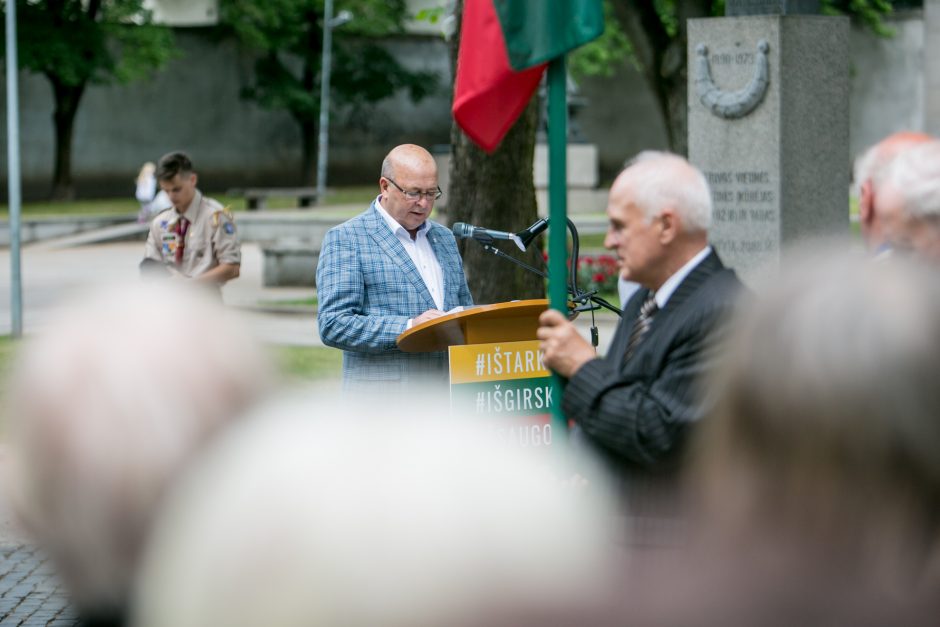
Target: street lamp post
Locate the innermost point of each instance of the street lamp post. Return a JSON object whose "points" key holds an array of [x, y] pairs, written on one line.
{"points": [[323, 138], [13, 171]]}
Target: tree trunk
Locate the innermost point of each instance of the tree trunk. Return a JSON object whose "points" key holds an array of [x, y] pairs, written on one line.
{"points": [[496, 191], [67, 99], [308, 163], [663, 59]]}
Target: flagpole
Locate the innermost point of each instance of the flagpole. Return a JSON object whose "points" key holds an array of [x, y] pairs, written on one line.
{"points": [[558, 213], [13, 171]]}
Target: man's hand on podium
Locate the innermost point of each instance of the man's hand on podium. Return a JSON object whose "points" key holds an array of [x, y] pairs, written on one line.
{"points": [[430, 314]]}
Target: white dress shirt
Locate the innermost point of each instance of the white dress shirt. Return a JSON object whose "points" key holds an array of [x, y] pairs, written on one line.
{"points": [[421, 253], [667, 288]]}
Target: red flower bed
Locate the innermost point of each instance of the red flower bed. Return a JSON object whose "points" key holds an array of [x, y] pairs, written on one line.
{"points": [[598, 272]]}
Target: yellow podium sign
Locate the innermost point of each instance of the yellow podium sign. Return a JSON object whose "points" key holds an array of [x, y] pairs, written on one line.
{"points": [[508, 381]]}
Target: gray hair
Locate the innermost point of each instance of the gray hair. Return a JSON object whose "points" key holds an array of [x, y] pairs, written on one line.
{"points": [[662, 179], [388, 168], [915, 175], [394, 500], [873, 164]]}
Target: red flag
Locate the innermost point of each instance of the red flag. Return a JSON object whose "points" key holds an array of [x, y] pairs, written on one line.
{"points": [[488, 95]]}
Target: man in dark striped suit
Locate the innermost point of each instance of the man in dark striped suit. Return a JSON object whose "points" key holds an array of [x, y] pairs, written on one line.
{"points": [[636, 404]]}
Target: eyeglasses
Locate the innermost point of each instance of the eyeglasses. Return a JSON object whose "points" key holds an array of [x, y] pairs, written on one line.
{"points": [[416, 195]]}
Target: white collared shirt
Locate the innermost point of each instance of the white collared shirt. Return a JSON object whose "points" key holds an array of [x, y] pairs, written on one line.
{"points": [[666, 290], [421, 253]]}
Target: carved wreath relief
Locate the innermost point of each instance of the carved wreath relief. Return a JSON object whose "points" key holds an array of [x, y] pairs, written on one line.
{"points": [[734, 104]]}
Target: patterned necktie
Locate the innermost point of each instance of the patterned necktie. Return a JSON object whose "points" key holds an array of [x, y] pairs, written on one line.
{"points": [[642, 325], [182, 227]]}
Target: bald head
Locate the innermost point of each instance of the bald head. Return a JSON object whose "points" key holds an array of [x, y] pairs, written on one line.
{"points": [[408, 186], [407, 156], [878, 204]]}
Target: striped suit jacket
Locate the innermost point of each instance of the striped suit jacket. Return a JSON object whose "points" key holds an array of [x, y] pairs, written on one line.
{"points": [[367, 290], [637, 411]]}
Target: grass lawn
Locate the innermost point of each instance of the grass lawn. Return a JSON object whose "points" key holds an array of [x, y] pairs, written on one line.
{"points": [[295, 363], [7, 350], [290, 302], [362, 194], [308, 363]]}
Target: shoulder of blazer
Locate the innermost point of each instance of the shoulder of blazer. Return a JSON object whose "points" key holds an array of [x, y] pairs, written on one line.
{"points": [[439, 230], [702, 274], [364, 221]]}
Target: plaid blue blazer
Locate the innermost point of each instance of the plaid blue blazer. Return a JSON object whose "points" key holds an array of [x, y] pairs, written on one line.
{"points": [[368, 288]]}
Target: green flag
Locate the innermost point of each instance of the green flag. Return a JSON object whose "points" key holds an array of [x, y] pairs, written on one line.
{"points": [[537, 31]]}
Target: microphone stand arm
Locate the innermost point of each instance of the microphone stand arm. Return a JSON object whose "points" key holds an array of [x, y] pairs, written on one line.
{"points": [[492, 249], [581, 298]]}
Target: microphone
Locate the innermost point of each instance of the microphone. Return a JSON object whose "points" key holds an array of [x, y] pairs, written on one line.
{"points": [[526, 236], [484, 236]]}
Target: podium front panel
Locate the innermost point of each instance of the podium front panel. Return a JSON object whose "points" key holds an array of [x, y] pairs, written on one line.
{"points": [[506, 383]]}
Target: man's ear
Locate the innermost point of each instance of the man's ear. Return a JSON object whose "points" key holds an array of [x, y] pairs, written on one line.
{"points": [[670, 223], [195, 178]]}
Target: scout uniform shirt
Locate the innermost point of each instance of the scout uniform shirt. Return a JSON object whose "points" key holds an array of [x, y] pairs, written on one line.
{"points": [[211, 238]]}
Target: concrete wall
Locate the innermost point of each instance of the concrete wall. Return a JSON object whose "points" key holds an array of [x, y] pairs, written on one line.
{"points": [[887, 81], [621, 117], [932, 66], [195, 105]]}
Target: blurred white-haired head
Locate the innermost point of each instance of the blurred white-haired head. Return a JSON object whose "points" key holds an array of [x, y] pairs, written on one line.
{"points": [[107, 405], [879, 204], [915, 176], [319, 513]]}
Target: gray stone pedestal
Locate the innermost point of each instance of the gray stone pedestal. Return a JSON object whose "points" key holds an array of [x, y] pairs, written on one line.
{"points": [[932, 66], [769, 126]]}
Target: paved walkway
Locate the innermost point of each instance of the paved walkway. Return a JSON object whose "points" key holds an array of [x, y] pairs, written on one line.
{"points": [[30, 594], [50, 276]]}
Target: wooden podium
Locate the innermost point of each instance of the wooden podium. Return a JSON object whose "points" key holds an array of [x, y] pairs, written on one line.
{"points": [[496, 369], [514, 321]]}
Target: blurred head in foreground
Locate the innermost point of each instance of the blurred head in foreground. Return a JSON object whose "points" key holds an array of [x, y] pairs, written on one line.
{"points": [[827, 434], [108, 404], [319, 514], [818, 475]]}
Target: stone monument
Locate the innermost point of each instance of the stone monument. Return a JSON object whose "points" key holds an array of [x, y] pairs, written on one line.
{"points": [[932, 66], [769, 126]]}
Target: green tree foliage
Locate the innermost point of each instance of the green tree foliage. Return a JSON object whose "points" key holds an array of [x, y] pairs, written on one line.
{"points": [[74, 43], [287, 34]]}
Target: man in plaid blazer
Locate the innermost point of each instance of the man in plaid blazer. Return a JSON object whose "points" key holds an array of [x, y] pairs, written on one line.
{"points": [[386, 270]]}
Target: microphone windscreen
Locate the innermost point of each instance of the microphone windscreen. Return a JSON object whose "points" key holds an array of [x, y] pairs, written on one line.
{"points": [[462, 230]]}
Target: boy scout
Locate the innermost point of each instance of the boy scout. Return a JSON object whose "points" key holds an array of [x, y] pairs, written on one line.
{"points": [[196, 237]]}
